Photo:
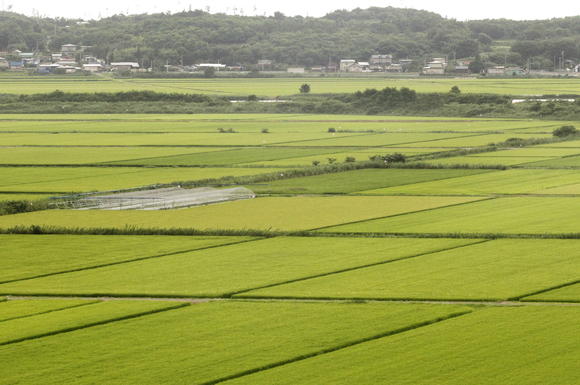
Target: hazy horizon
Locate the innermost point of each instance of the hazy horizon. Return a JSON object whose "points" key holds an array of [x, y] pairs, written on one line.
{"points": [[492, 9]]}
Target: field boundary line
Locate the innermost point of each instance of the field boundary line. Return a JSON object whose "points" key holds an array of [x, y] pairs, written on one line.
{"points": [[129, 261], [92, 324], [541, 291], [338, 347], [474, 242], [201, 299], [89, 302], [400, 214]]}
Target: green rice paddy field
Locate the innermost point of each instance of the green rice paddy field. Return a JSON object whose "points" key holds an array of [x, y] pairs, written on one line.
{"points": [[22, 84], [460, 266]]}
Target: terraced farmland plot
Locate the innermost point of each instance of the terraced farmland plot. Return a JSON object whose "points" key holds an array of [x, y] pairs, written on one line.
{"points": [[567, 162], [232, 156], [231, 269], [24, 197], [352, 181], [27, 256], [487, 160], [15, 309], [85, 179], [339, 155], [376, 140], [188, 139], [526, 346], [519, 215], [206, 342], [492, 270], [476, 140], [88, 155], [569, 293], [272, 87], [271, 213], [78, 317], [514, 181]]}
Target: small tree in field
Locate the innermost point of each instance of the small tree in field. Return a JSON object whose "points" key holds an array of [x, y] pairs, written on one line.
{"points": [[565, 131], [305, 88]]}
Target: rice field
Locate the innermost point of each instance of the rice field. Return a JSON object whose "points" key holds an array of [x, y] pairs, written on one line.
{"points": [[267, 214], [216, 272], [279, 86], [463, 272]]}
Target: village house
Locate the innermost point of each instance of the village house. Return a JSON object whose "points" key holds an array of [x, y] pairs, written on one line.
{"points": [[124, 66], [296, 70], [380, 62], [93, 67], [345, 64], [435, 67]]}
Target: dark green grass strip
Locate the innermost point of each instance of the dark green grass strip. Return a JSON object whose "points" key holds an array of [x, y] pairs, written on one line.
{"points": [[560, 286], [51, 311], [36, 229], [123, 318], [353, 268], [129, 261], [336, 348]]}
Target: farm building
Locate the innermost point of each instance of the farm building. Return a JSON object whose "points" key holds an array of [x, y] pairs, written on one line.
{"points": [[124, 66], [93, 67]]}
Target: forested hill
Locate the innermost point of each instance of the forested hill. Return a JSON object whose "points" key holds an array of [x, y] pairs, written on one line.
{"points": [[195, 36]]}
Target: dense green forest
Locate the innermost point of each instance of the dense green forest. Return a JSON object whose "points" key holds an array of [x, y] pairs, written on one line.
{"points": [[194, 36]]}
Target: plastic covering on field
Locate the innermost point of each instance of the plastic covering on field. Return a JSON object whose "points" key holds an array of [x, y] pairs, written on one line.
{"points": [[160, 199]]}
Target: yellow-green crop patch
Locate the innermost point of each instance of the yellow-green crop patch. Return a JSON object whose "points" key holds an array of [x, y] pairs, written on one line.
{"points": [[492, 270], [89, 155], [270, 213], [567, 162], [24, 197], [514, 181], [489, 160], [27, 256], [352, 181], [163, 139], [509, 345], [84, 179], [73, 318], [14, 309], [476, 140], [233, 156], [274, 123], [569, 293], [380, 139], [230, 269], [272, 87], [510, 215], [206, 342]]}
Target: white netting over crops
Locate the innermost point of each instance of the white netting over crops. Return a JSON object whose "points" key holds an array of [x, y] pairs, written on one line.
{"points": [[159, 199]]}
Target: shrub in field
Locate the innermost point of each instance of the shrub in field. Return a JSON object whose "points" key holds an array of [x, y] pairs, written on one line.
{"points": [[350, 159], [315, 162], [564, 131], [331, 160], [252, 98], [331, 129], [305, 88], [389, 158], [265, 131]]}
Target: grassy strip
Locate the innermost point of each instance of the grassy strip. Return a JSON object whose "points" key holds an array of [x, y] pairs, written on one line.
{"points": [[61, 331], [38, 229], [335, 348], [128, 261], [51, 311], [353, 268]]}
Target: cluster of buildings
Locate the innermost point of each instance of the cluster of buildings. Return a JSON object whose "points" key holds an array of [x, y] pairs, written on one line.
{"points": [[76, 58], [71, 58], [376, 63]]}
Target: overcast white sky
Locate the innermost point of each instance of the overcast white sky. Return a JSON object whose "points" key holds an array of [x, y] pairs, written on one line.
{"points": [[462, 10]]}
